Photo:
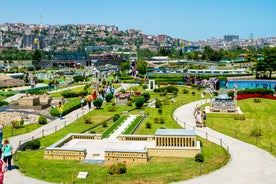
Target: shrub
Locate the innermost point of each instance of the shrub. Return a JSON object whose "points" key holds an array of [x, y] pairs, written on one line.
{"points": [[119, 168], [129, 103], [33, 145], [148, 125], [199, 157], [257, 132], [2, 103], [115, 117], [160, 111], [78, 78], [108, 97], [68, 107], [104, 124], [161, 120], [146, 96], [257, 100], [98, 103], [185, 91], [88, 120], [215, 93], [193, 93], [145, 86], [17, 123], [112, 108], [139, 102], [42, 120], [92, 132], [158, 103]]}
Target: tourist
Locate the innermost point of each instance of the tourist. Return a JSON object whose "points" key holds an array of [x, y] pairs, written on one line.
{"points": [[198, 118], [204, 117], [60, 109], [94, 95], [7, 150], [89, 100], [82, 101]]}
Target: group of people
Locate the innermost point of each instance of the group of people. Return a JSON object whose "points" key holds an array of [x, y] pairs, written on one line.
{"points": [[200, 118], [6, 153]]}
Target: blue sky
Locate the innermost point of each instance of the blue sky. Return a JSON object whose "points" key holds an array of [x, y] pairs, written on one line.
{"points": [[190, 20]]}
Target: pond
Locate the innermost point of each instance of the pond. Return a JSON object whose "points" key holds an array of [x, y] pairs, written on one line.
{"points": [[242, 84]]}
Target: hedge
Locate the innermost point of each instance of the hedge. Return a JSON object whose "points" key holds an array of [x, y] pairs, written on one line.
{"points": [[68, 107]]}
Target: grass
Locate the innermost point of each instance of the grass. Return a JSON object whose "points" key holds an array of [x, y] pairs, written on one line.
{"points": [[9, 131], [257, 115], [158, 170], [114, 126], [133, 125]]}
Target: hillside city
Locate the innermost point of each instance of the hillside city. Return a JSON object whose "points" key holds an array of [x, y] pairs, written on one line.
{"points": [[78, 37]]}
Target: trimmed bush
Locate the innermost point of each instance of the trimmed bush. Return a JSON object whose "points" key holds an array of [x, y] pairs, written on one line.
{"points": [[158, 104], [185, 91], [139, 102], [115, 117], [78, 78], [148, 125], [160, 111], [257, 132], [108, 97], [88, 120], [146, 96], [33, 145], [68, 107], [119, 168], [2, 103], [199, 157], [17, 123], [98, 103], [42, 120]]}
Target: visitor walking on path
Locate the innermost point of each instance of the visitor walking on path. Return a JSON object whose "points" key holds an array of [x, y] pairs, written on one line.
{"points": [[198, 117], [60, 109], [7, 150], [89, 100]]}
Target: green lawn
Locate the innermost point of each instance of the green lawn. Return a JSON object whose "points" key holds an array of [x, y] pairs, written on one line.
{"points": [[257, 115]]}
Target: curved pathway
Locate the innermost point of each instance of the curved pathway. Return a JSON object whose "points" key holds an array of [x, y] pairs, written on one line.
{"points": [[248, 164]]}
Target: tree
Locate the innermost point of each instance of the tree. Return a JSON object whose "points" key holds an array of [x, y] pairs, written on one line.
{"points": [[269, 62], [139, 102], [124, 66], [142, 67], [37, 55]]}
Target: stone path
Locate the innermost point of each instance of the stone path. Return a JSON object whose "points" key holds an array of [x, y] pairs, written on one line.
{"points": [[248, 164]]}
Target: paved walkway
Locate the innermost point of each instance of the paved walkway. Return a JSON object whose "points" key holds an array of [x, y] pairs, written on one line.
{"points": [[248, 164]]}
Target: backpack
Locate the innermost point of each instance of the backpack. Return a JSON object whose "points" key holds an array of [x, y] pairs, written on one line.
{"points": [[89, 98], [3, 166], [204, 117]]}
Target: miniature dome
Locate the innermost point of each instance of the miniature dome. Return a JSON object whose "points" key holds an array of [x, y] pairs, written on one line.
{"points": [[223, 97]]}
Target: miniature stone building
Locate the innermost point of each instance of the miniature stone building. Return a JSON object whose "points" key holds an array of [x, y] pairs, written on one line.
{"points": [[223, 103]]}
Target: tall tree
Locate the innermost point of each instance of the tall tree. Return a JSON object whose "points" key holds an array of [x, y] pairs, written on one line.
{"points": [[269, 62]]}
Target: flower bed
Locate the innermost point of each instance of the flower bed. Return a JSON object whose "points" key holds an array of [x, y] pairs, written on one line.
{"points": [[244, 96]]}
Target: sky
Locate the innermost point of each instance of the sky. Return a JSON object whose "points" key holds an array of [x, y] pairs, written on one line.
{"points": [[190, 20]]}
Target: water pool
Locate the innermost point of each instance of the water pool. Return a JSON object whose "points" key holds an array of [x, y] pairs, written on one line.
{"points": [[242, 84]]}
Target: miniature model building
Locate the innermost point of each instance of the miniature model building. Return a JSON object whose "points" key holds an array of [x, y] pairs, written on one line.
{"points": [[223, 103], [127, 148]]}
